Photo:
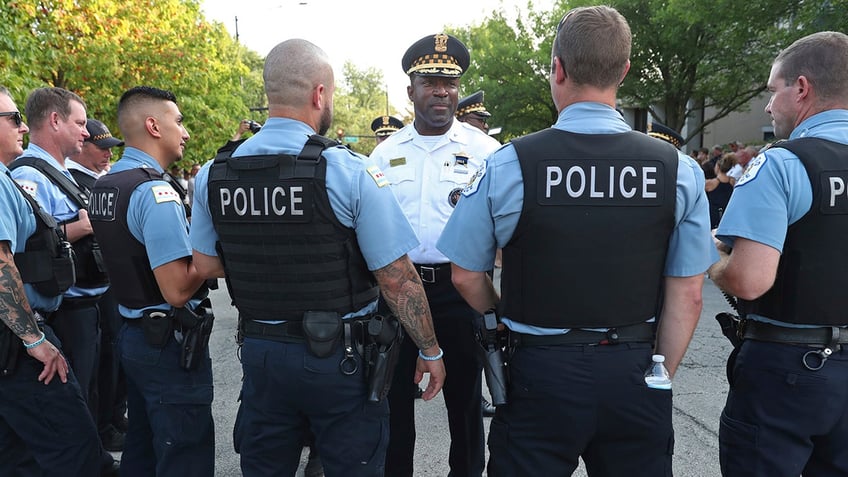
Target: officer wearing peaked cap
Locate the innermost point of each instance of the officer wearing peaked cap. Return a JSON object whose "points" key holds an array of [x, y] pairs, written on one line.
{"points": [[472, 111], [665, 133], [436, 145], [385, 126]]}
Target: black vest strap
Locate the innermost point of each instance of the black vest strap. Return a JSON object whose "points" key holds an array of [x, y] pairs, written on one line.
{"points": [[71, 189]]}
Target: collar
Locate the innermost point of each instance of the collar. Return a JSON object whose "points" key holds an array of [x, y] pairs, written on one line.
{"points": [[34, 150], [591, 118], [139, 158]]}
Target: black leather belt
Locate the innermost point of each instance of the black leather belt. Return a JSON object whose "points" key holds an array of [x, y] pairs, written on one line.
{"points": [[433, 272], [638, 333], [759, 331], [288, 332]]}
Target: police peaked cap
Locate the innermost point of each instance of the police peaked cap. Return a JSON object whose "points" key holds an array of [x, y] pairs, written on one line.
{"points": [[436, 55], [473, 103], [661, 131], [386, 125]]}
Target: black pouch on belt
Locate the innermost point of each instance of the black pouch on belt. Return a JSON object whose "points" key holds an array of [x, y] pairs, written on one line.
{"points": [[158, 326], [196, 328], [323, 331]]}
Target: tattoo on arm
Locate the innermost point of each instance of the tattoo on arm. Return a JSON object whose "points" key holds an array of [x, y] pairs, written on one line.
{"points": [[404, 293], [14, 307]]}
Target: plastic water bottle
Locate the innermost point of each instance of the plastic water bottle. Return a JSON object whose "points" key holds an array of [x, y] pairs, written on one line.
{"points": [[657, 376]]}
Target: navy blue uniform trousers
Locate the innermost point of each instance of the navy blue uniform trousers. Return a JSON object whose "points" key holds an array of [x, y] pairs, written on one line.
{"points": [[169, 410], [782, 419], [568, 401], [453, 322], [287, 390], [48, 423]]}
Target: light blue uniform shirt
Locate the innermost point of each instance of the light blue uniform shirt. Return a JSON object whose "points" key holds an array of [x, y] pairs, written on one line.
{"points": [[359, 196], [52, 199], [775, 191], [17, 223], [160, 225], [487, 215]]}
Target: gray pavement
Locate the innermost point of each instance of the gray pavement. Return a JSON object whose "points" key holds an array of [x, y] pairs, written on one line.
{"points": [[700, 389]]}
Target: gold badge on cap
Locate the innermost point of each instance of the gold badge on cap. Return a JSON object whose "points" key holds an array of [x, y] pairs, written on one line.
{"points": [[441, 42]]}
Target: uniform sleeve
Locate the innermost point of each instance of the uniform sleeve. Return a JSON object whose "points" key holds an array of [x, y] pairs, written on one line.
{"points": [[486, 215], [773, 192], [691, 249], [8, 217], [157, 219], [202, 234], [362, 199]]}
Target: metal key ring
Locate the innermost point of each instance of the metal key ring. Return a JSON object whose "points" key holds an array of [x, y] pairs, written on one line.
{"points": [[348, 365], [822, 355]]}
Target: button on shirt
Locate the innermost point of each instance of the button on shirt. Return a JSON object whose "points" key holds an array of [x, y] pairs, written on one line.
{"points": [[156, 224], [17, 224], [775, 191], [359, 196], [428, 173], [52, 199], [499, 194]]}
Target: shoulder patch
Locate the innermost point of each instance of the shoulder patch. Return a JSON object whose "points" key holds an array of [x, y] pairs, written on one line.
{"points": [[752, 170], [378, 176], [29, 187], [165, 193], [474, 181]]}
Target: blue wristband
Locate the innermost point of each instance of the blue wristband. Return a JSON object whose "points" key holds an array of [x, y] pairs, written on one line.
{"points": [[431, 358], [35, 343]]}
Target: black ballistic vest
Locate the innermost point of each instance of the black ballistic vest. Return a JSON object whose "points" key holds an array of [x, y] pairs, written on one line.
{"points": [[283, 249], [132, 278], [90, 270], [590, 246], [47, 262], [811, 286]]}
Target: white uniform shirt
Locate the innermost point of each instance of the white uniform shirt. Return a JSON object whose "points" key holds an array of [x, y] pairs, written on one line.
{"points": [[427, 174]]}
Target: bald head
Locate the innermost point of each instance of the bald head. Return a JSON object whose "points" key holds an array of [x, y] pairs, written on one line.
{"points": [[292, 71]]}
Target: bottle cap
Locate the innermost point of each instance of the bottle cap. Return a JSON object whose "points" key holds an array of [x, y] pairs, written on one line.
{"points": [[658, 358]]}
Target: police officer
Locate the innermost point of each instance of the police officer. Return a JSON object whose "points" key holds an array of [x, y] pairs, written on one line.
{"points": [[141, 224], [45, 427], [471, 110], [57, 119], [109, 403], [787, 409], [384, 126], [428, 163], [301, 241], [605, 237]]}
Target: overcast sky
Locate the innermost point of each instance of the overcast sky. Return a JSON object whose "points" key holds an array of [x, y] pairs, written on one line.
{"points": [[369, 33]]}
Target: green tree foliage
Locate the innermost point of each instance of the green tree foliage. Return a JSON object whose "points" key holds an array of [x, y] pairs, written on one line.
{"points": [[100, 48], [688, 56], [361, 96]]}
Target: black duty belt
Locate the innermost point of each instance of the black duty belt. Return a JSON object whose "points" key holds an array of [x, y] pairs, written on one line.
{"points": [[638, 333], [78, 302], [759, 331], [288, 332], [433, 272]]}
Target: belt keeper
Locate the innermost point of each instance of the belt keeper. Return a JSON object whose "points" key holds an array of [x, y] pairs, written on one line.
{"points": [[833, 344]]}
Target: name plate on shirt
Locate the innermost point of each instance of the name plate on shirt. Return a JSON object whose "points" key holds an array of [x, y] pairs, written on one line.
{"points": [[834, 199], [601, 182], [288, 201]]}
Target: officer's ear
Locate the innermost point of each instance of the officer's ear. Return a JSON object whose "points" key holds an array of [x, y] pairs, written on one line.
{"points": [[152, 126]]}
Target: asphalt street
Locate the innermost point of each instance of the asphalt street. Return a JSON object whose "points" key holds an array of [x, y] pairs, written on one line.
{"points": [[700, 389]]}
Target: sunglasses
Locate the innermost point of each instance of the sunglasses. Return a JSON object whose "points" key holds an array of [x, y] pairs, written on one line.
{"points": [[16, 117]]}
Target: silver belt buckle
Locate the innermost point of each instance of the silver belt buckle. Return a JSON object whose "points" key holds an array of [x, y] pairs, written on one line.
{"points": [[428, 274]]}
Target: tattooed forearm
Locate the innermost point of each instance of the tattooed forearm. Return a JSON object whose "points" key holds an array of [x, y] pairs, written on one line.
{"points": [[14, 307], [404, 293]]}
